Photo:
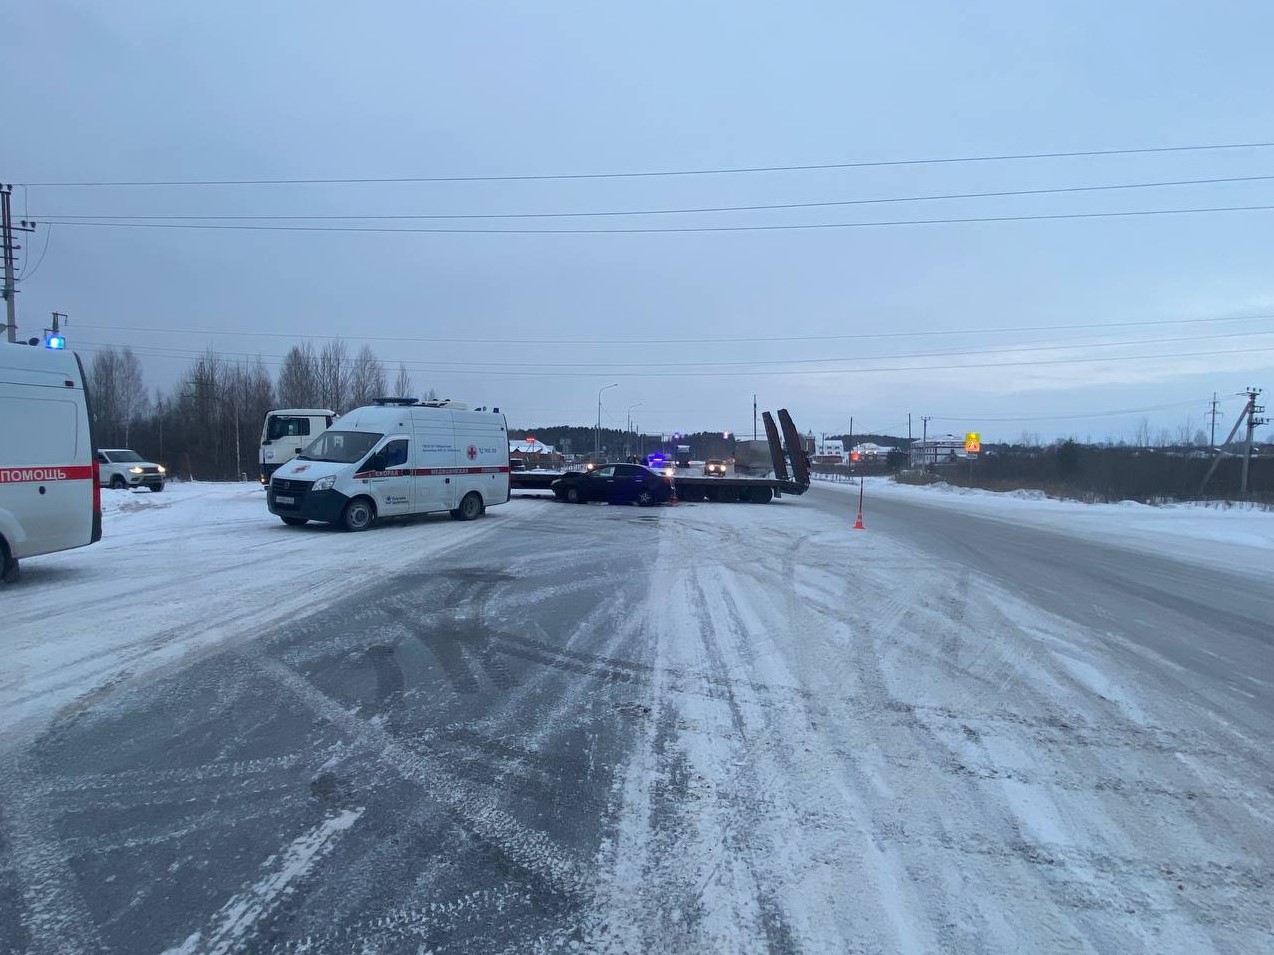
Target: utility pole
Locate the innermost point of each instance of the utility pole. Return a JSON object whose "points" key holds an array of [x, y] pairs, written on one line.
{"points": [[1213, 415], [10, 291], [597, 435], [908, 429], [1248, 414], [754, 417], [1253, 409], [924, 439]]}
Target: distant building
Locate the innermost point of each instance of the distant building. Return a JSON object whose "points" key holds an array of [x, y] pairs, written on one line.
{"points": [[535, 453], [943, 450]]}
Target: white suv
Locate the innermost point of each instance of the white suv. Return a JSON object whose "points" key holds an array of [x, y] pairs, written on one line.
{"points": [[121, 468]]}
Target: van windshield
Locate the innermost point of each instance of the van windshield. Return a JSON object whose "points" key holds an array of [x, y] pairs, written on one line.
{"points": [[344, 447]]}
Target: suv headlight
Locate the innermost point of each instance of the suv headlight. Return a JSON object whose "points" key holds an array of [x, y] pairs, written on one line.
{"points": [[135, 470], [325, 483], [162, 469]]}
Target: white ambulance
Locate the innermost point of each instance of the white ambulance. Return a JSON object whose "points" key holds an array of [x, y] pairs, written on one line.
{"points": [[395, 458], [286, 432], [49, 496]]}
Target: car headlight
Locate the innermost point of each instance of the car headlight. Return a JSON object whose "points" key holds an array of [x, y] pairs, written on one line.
{"points": [[162, 469], [135, 470], [325, 483]]}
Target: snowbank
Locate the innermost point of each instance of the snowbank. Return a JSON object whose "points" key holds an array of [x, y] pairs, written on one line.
{"points": [[1240, 535], [183, 570]]}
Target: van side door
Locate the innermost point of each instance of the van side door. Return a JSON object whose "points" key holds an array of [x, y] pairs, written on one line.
{"points": [[436, 466]]}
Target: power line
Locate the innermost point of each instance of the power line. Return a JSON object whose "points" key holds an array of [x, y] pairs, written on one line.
{"points": [[664, 212], [516, 373], [803, 167], [25, 273], [1069, 417], [602, 367], [377, 230], [856, 336]]}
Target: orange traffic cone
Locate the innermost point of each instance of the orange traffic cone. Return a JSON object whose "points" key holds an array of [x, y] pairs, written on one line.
{"points": [[858, 524]]}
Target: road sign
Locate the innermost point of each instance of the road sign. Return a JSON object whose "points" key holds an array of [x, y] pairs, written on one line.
{"points": [[972, 442]]}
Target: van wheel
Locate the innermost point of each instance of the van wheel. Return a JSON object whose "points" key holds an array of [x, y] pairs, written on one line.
{"points": [[358, 515], [118, 483], [470, 507], [295, 521], [8, 566]]}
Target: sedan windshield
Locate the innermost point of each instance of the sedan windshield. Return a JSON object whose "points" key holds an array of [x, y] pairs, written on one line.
{"points": [[343, 447]]}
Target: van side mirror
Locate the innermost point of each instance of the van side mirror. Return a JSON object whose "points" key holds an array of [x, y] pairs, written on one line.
{"points": [[376, 462], [265, 442]]}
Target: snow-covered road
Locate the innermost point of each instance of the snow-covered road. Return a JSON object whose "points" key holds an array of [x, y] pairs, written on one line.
{"points": [[702, 728], [178, 572]]}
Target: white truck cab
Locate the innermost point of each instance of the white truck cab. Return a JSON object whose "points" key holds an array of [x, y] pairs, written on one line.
{"points": [[49, 496], [286, 432], [395, 458]]}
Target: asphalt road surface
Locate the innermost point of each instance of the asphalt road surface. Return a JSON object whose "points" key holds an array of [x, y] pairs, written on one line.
{"points": [[708, 728]]}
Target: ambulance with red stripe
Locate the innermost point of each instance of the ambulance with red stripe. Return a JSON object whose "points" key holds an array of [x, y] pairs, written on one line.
{"points": [[395, 458], [49, 496]]}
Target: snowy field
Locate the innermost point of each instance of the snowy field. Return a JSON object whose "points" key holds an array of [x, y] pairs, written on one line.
{"points": [[180, 571], [1240, 536]]}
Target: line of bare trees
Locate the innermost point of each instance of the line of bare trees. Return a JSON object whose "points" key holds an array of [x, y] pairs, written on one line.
{"points": [[208, 425]]}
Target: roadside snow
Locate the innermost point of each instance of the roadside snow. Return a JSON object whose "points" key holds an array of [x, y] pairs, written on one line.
{"points": [[181, 571], [1239, 536], [853, 747]]}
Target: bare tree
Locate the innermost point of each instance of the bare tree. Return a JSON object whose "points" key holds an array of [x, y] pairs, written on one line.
{"points": [[299, 378], [103, 388], [1186, 431], [367, 381], [335, 371], [131, 390], [1142, 438], [403, 384]]}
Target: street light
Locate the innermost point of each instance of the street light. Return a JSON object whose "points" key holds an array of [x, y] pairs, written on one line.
{"points": [[597, 435], [630, 421]]}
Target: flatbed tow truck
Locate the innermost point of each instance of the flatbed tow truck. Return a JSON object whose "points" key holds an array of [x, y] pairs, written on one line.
{"points": [[728, 489]]}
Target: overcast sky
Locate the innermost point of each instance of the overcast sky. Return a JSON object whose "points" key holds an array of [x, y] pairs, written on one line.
{"points": [[127, 91]]}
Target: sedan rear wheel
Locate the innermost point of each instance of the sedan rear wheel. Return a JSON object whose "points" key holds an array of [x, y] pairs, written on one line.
{"points": [[645, 498], [573, 496]]}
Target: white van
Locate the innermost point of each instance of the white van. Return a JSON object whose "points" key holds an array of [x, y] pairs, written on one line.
{"points": [[287, 431], [395, 458], [49, 496]]}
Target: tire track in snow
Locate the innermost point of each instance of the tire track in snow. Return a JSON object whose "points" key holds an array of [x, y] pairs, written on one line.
{"points": [[237, 921]]}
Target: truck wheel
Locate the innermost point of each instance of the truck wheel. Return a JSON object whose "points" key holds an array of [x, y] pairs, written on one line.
{"points": [[470, 507], [118, 483], [295, 521], [572, 496], [762, 495], [358, 515]]}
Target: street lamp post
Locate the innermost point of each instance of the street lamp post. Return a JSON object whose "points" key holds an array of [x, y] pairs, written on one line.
{"points": [[630, 421], [597, 435]]}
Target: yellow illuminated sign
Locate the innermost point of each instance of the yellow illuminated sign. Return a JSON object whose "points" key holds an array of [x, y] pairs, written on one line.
{"points": [[972, 442]]}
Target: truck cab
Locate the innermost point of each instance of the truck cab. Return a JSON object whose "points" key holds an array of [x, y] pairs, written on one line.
{"points": [[286, 432]]}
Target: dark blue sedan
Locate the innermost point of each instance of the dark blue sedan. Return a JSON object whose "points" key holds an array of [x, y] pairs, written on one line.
{"points": [[614, 484]]}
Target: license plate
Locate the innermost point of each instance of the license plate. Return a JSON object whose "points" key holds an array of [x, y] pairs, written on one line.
{"points": [[284, 499]]}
